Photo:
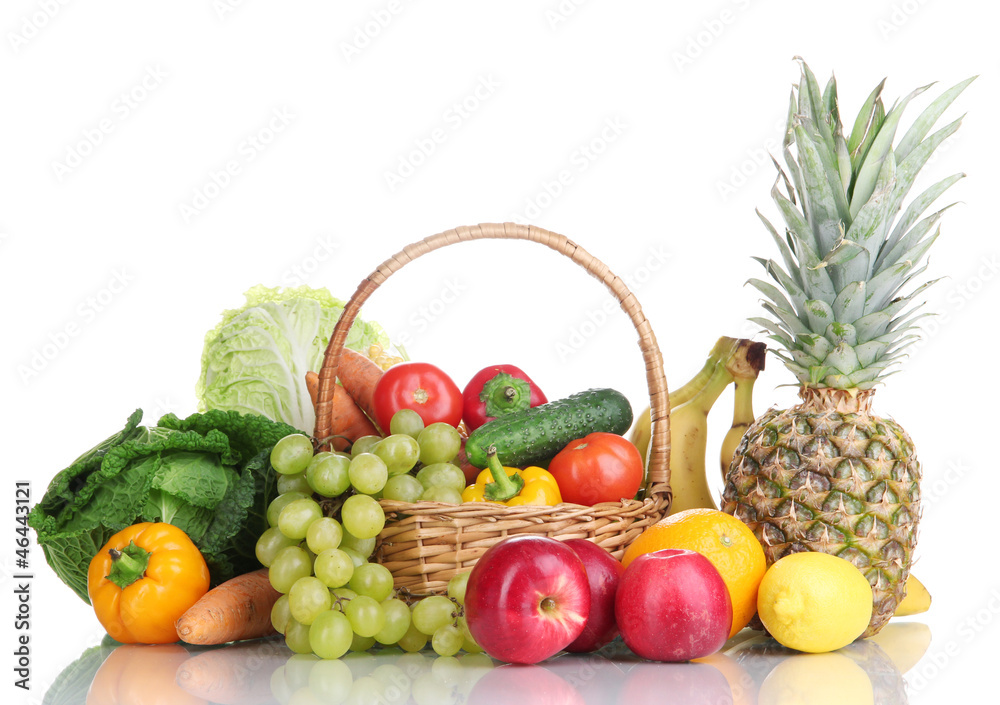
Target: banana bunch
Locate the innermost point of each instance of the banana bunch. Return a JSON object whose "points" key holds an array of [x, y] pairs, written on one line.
{"points": [[738, 362], [731, 361]]}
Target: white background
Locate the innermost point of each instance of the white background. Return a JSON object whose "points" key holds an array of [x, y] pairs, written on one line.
{"points": [[118, 115]]}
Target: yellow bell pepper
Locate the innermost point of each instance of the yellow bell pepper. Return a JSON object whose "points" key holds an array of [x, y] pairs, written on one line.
{"points": [[513, 486]]}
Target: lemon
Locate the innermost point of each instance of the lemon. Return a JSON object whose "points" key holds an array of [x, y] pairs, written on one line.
{"points": [[814, 602], [817, 679]]}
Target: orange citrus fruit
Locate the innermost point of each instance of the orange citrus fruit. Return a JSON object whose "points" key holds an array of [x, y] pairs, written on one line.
{"points": [[724, 540]]}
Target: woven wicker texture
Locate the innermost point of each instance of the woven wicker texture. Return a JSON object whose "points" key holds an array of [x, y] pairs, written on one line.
{"points": [[424, 544]]}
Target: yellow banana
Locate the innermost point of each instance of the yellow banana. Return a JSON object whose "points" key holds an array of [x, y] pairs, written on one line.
{"points": [[905, 643], [729, 360], [688, 440], [745, 369], [917, 599], [642, 431]]}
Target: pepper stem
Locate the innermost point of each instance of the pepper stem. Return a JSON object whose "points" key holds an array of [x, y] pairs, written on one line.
{"points": [[127, 565], [504, 486], [505, 393]]}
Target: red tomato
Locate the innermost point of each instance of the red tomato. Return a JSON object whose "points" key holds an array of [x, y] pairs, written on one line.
{"points": [[601, 467], [419, 386]]}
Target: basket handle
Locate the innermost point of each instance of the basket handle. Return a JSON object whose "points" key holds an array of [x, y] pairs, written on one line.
{"points": [[658, 472]]}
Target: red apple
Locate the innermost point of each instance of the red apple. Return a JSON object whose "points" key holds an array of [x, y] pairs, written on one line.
{"points": [[603, 575], [527, 599], [672, 605]]}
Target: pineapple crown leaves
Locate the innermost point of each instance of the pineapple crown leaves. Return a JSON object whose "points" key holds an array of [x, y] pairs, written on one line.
{"points": [[835, 301]]}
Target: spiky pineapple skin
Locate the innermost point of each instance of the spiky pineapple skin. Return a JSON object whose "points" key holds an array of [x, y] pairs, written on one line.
{"points": [[848, 484]]}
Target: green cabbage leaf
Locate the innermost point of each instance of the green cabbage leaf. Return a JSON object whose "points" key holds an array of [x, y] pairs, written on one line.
{"points": [[256, 359], [208, 474]]}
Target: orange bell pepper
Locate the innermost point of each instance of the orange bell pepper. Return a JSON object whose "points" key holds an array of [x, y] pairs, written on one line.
{"points": [[143, 580]]}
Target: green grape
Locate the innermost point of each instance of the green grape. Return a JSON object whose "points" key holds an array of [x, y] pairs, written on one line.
{"points": [[280, 614], [297, 669], [364, 547], [307, 598], [269, 543], [356, 557], [359, 645], [447, 669], [294, 483], [366, 615], [457, 585], [330, 681], [406, 421], [447, 640], [470, 646], [364, 445], [397, 621], [279, 503], [432, 613], [373, 580], [297, 637], [368, 473], [291, 563], [279, 687], [330, 634], [296, 517], [439, 443], [413, 640], [333, 567], [403, 488], [396, 683], [291, 454], [442, 475], [328, 475], [343, 595], [303, 696], [429, 690], [399, 451], [448, 495], [324, 533], [362, 516]]}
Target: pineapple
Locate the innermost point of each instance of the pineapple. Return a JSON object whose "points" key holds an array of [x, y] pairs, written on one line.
{"points": [[828, 475]]}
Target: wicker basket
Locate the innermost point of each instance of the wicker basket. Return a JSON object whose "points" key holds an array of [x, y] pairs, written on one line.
{"points": [[424, 544]]}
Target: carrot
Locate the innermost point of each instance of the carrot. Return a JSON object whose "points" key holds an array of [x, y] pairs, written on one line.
{"points": [[239, 674], [235, 610], [349, 422], [359, 375], [312, 385]]}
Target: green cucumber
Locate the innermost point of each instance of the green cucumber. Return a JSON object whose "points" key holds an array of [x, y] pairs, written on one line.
{"points": [[535, 435]]}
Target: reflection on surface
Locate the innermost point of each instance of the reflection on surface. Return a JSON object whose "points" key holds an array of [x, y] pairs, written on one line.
{"points": [[751, 668]]}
